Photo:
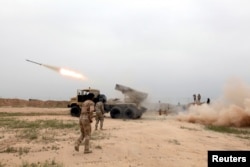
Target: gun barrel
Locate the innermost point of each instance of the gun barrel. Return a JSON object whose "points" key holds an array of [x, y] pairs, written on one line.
{"points": [[33, 62]]}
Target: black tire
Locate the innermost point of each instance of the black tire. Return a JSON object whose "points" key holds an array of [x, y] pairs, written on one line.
{"points": [[130, 113], [116, 112], [139, 115], [75, 111]]}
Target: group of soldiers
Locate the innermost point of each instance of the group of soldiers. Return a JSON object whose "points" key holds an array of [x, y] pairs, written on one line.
{"points": [[198, 100], [85, 120], [164, 108]]}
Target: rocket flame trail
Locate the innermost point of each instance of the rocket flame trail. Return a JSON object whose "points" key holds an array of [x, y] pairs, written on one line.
{"points": [[62, 71], [71, 73]]}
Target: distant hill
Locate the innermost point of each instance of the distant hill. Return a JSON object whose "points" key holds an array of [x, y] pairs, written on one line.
{"points": [[32, 103]]}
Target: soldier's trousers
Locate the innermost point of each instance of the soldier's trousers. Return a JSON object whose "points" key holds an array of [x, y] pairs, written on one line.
{"points": [[99, 118], [85, 127]]}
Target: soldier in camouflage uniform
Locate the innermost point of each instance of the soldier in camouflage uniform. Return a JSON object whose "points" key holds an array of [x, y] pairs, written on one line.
{"points": [[99, 109], [88, 107], [199, 98]]}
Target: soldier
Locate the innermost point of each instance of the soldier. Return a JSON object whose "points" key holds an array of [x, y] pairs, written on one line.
{"points": [[199, 98], [99, 114], [88, 107], [208, 100], [194, 96]]}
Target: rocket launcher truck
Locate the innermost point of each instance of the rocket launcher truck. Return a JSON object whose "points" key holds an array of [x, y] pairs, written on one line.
{"points": [[130, 107]]}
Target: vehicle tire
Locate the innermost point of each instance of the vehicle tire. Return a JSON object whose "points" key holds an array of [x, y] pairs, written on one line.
{"points": [[139, 116], [130, 113], [116, 112], [75, 111]]}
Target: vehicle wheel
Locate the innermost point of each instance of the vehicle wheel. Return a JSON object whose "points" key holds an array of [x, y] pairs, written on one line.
{"points": [[130, 113], [75, 111], [139, 116], [115, 112]]}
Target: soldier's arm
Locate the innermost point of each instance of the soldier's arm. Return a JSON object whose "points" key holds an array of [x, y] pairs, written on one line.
{"points": [[91, 110], [102, 108]]}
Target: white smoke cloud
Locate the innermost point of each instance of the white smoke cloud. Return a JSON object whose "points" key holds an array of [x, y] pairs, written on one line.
{"points": [[233, 109]]}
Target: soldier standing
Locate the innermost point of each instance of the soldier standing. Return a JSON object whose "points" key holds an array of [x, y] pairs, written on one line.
{"points": [[199, 98], [159, 107], [99, 114], [194, 96], [88, 107], [208, 100]]}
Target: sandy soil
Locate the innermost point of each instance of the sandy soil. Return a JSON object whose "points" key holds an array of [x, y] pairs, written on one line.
{"points": [[150, 141]]}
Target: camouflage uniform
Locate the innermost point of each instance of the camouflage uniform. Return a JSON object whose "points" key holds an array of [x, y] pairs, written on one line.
{"points": [[85, 121], [99, 114]]}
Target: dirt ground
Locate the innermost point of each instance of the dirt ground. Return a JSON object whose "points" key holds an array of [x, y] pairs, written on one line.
{"points": [[150, 141]]}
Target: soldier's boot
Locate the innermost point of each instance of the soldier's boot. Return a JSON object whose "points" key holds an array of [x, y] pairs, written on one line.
{"points": [[87, 151], [77, 144], [77, 148]]}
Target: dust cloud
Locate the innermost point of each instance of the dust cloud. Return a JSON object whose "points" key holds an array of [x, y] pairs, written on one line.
{"points": [[232, 109]]}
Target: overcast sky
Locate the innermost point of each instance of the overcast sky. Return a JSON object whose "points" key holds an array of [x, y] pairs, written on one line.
{"points": [[170, 49]]}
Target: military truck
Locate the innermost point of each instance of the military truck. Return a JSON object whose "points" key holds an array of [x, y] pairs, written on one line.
{"points": [[130, 107], [76, 102]]}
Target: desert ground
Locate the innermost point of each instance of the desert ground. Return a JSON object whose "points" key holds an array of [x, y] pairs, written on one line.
{"points": [[32, 136]]}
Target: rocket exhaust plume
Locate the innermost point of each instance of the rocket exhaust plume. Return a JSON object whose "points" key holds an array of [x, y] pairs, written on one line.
{"points": [[62, 71], [233, 109]]}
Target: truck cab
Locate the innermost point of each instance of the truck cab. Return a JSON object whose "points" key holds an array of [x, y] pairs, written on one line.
{"points": [[76, 102]]}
